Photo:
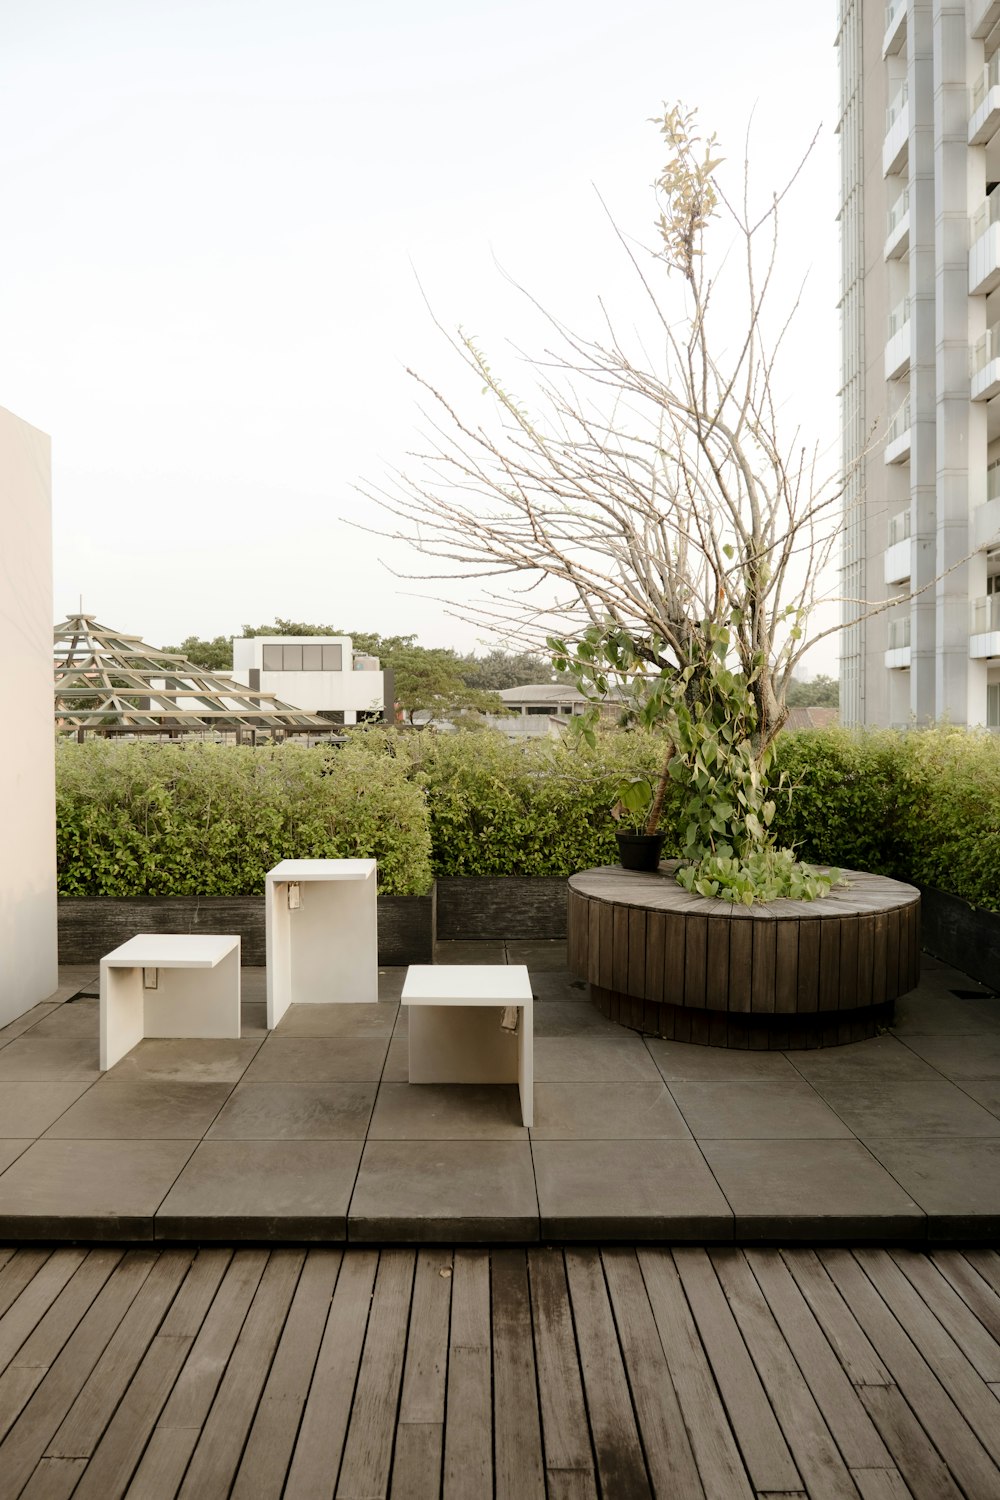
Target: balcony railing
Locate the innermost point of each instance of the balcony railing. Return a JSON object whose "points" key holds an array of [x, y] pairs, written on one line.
{"points": [[899, 424], [899, 634], [898, 211], [986, 349], [988, 79], [993, 482], [896, 106], [986, 214], [899, 528], [899, 317], [986, 614]]}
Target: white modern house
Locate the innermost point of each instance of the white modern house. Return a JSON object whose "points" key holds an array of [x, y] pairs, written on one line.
{"points": [[318, 673], [920, 307], [28, 933]]}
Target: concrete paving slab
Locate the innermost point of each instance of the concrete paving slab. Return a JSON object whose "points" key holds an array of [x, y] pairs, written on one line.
{"points": [[606, 1111], [253, 984], [760, 1110], [261, 1190], [390, 984], [318, 1060], [812, 1190], [683, 1061], [89, 1190], [470, 953], [447, 1112], [628, 1190], [960, 1057], [187, 1060], [956, 1182], [592, 1059], [448, 1192], [31, 1018], [10, 1150], [548, 986], [397, 1061], [137, 1109], [253, 1019], [28, 1109], [75, 1018], [880, 1057], [295, 1112], [49, 1059], [539, 956], [877, 1109], [985, 1091], [358, 1022], [931, 1014], [567, 1018]]}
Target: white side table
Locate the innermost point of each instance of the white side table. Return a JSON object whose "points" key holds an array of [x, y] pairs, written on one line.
{"points": [[169, 984], [455, 1030], [322, 933]]}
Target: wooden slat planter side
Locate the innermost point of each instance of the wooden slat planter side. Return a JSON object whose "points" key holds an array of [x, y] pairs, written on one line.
{"points": [[789, 975]]}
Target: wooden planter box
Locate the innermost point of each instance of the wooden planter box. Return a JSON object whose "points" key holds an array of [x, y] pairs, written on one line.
{"points": [[90, 928], [789, 974], [964, 936]]}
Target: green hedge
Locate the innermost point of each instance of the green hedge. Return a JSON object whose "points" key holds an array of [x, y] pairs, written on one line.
{"points": [[159, 820], [211, 820], [499, 807]]}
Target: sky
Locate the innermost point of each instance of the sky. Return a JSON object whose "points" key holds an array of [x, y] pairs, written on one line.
{"points": [[230, 226]]}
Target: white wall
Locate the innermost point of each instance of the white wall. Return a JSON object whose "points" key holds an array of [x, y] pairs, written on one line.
{"points": [[349, 691], [28, 941]]}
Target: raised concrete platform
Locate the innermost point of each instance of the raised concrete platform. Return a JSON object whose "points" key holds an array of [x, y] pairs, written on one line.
{"points": [[310, 1133]]}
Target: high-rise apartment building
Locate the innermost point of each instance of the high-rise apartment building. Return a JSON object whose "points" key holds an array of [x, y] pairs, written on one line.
{"points": [[920, 310]]}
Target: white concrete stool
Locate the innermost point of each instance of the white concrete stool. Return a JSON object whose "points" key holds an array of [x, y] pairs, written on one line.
{"points": [[169, 984], [455, 1027], [322, 933]]}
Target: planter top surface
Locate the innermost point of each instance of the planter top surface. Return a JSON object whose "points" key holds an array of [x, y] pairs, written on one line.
{"points": [[863, 895]]}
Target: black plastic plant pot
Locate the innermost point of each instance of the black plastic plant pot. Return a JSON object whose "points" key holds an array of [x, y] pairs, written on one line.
{"points": [[639, 851]]}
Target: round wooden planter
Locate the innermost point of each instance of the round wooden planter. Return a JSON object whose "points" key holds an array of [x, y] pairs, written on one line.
{"points": [[791, 974]]}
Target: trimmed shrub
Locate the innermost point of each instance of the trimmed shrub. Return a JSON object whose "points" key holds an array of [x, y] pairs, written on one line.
{"points": [[499, 807], [211, 820]]}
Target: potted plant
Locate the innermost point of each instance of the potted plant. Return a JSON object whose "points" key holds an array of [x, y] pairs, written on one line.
{"points": [[639, 845]]}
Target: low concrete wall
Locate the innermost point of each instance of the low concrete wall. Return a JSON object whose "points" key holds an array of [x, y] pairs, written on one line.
{"points": [[481, 909], [961, 935], [90, 928]]}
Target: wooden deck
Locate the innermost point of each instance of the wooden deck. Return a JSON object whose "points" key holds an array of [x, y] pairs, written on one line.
{"points": [[521, 1374]]}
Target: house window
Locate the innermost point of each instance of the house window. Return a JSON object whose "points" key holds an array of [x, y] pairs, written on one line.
{"points": [[311, 658], [993, 705]]}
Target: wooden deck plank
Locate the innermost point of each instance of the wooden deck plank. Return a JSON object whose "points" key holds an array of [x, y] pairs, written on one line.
{"points": [[942, 1420], [880, 1484], [669, 1458], [416, 1468], [621, 1467], [762, 1443], [17, 1271], [720, 1466], [34, 1286], [27, 1440], [517, 1425], [853, 1430], [987, 1263], [217, 1454], [81, 1429], [367, 1458], [173, 1441], [845, 1335], [323, 1429], [468, 1434], [937, 1294], [922, 1467], [54, 1479], [275, 1427], [565, 1434], [120, 1449], [976, 1293], [954, 1370], [813, 1449]]}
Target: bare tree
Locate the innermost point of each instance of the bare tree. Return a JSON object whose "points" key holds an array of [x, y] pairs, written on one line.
{"points": [[658, 497]]}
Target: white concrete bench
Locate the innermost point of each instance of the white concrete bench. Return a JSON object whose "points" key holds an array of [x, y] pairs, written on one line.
{"points": [[455, 1027], [322, 933], [169, 984]]}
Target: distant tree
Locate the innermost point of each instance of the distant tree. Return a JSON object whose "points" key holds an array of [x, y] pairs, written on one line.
{"points": [[430, 681], [821, 692], [279, 626], [503, 669], [215, 655]]}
